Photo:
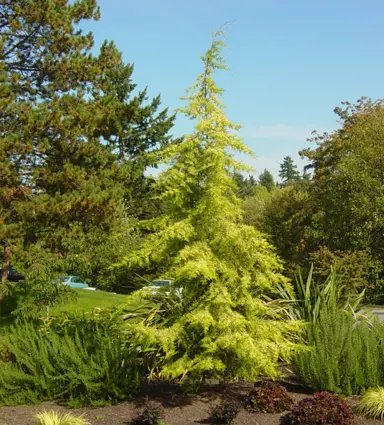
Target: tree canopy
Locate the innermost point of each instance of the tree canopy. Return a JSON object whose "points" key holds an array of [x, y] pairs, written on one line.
{"points": [[347, 191], [75, 133]]}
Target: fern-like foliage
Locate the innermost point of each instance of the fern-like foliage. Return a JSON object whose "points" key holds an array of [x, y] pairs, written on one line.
{"points": [[223, 328]]}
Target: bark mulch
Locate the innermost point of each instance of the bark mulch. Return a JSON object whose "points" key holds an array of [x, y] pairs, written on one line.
{"points": [[180, 409]]}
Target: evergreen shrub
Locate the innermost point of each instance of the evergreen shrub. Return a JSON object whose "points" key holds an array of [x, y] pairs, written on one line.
{"points": [[345, 355], [82, 366]]}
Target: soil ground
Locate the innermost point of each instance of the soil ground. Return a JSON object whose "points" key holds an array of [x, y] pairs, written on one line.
{"points": [[180, 409]]}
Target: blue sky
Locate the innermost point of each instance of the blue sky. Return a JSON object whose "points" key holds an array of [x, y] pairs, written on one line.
{"points": [[292, 61]]}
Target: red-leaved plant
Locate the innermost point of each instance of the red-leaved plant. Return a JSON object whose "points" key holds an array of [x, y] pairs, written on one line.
{"points": [[268, 397], [321, 409], [224, 413], [152, 414]]}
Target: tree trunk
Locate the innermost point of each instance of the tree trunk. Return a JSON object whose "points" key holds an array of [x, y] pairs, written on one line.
{"points": [[4, 273], [6, 261]]}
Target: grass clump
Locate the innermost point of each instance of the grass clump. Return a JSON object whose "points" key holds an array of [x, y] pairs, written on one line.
{"points": [[372, 403], [58, 418], [312, 297]]}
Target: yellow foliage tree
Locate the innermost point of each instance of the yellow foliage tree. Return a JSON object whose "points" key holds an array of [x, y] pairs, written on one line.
{"points": [[222, 328]]}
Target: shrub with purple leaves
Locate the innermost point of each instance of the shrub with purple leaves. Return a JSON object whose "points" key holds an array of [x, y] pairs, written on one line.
{"points": [[321, 409], [224, 413], [152, 414], [268, 397]]}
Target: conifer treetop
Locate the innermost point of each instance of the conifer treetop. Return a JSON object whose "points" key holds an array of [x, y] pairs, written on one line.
{"points": [[203, 162]]}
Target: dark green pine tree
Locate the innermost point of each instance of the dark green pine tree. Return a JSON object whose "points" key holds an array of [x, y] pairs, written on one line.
{"points": [[41, 63], [75, 134], [266, 180], [133, 128], [288, 171], [245, 185]]}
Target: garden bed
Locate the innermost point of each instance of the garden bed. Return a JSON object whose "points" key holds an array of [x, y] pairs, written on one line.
{"points": [[180, 409]]}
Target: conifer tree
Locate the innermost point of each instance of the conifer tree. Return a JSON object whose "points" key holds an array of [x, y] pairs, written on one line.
{"points": [[42, 61], [288, 171], [74, 136], [245, 185], [223, 328], [266, 180]]}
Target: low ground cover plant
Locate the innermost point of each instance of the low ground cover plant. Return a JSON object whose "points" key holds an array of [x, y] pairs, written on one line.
{"points": [[268, 397], [372, 403], [321, 409], [224, 413]]}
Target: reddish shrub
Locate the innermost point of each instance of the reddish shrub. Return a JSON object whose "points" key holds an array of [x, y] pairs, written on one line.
{"points": [[268, 397], [152, 414], [321, 409], [224, 413]]}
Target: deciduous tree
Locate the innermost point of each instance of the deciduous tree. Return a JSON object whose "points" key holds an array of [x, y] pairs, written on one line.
{"points": [[347, 190]]}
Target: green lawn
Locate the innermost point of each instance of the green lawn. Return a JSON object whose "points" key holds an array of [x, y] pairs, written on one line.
{"points": [[86, 301]]}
